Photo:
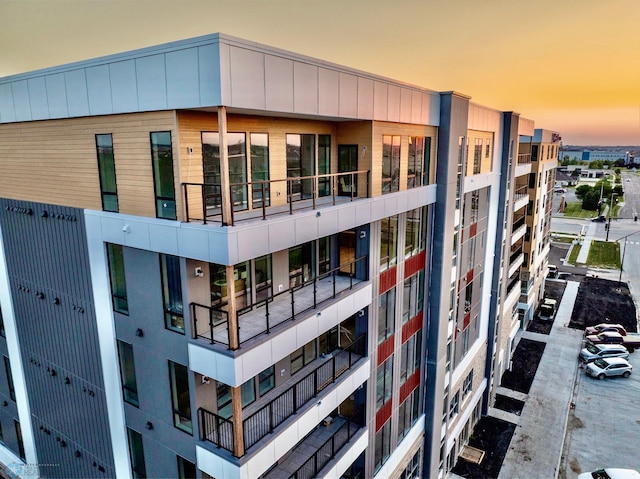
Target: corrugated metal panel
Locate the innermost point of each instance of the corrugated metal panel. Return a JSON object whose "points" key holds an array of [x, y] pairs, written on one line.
{"points": [[38, 98], [278, 83], [57, 95], [124, 91]]}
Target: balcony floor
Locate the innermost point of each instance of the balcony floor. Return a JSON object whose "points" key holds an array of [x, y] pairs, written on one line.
{"points": [[308, 447], [254, 323]]}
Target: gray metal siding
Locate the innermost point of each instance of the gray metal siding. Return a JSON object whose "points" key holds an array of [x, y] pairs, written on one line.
{"points": [[51, 287]]}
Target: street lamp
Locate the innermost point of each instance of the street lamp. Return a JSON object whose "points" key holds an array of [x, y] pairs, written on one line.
{"points": [[609, 221]]}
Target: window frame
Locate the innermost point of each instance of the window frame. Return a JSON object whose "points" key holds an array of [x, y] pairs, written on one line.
{"points": [[386, 314], [107, 170], [178, 414], [391, 153], [117, 278], [159, 168], [128, 377], [136, 452], [384, 382], [170, 275]]}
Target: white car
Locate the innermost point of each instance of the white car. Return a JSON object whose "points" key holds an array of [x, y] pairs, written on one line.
{"points": [[591, 352], [601, 368], [612, 473]]}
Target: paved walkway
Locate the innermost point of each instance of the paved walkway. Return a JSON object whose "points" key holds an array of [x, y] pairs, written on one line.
{"points": [[586, 244], [536, 446]]}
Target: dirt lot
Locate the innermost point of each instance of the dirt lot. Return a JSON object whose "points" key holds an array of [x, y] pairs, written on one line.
{"points": [[492, 436], [524, 365], [599, 299]]}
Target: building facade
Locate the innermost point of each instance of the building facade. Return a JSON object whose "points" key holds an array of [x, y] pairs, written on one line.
{"points": [[221, 259]]}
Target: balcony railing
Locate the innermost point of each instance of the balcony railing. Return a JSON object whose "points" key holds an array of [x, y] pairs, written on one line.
{"points": [[260, 317], [518, 223], [203, 201], [515, 254], [268, 417], [512, 283], [520, 193], [328, 450], [524, 158]]}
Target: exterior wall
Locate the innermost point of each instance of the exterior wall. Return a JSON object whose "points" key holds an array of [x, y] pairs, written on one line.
{"points": [[58, 339], [55, 161]]}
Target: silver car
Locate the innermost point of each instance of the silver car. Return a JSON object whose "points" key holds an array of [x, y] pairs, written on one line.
{"points": [[592, 352], [601, 368]]}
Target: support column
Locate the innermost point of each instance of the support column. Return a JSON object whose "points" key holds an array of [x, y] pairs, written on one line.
{"points": [[224, 168], [238, 432], [234, 340]]}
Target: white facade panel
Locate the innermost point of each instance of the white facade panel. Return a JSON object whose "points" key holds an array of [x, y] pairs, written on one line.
{"points": [[365, 98], [305, 88], [380, 100], [209, 74], [21, 101], [394, 101], [328, 92], [405, 105], [56, 96], [151, 82], [416, 106], [76, 82], [38, 98], [99, 90], [348, 95], [183, 81], [278, 78], [247, 78], [7, 111], [124, 91]]}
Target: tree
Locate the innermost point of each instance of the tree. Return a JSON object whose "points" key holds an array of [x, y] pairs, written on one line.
{"points": [[591, 200], [618, 190], [583, 190]]}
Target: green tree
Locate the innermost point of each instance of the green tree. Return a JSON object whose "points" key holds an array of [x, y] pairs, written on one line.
{"points": [[590, 200], [583, 190]]}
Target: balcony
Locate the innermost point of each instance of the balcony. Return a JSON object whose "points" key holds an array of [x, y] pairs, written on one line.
{"points": [[204, 201], [266, 415], [518, 230], [523, 165], [322, 446], [524, 158], [516, 259], [211, 323], [520, 198]]}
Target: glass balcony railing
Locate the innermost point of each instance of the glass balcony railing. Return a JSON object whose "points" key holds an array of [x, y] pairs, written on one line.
{"points": [[267, 417], [203, 201], [212, 322]]}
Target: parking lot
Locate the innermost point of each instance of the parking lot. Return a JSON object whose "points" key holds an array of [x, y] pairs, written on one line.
{"points": [[604, 426]]}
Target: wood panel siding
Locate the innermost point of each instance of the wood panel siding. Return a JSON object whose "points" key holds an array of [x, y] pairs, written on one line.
{"points": [[55, 161]]}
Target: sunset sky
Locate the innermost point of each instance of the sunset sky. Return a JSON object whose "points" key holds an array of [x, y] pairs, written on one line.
{"points": [[571, 65]]}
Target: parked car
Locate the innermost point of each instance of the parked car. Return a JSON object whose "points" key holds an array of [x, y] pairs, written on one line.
{"points": [[592, 352], [605, 327], [601, 368], [548, 309], [610, 473], [631, 341], [599, 219]]}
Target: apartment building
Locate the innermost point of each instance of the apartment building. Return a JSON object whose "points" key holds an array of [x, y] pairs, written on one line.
{"points": [[221, 259]]}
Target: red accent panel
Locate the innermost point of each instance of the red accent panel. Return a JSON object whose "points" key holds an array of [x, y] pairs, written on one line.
{"points": [[412, 326], [385, 349], [407, 388], [414, 264], [388, 279], [473, 230], [383, 414], [467, 320], [470, 275]]}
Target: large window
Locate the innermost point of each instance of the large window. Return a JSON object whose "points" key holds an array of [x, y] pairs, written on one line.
{"points": [[413, 296], [454, 406], [386, 314], [384, 382], [390, 163], [117, 276], [266, 380], [410, 356], [136, 451], [382, 445], [417, 150], [324, 165], [107, 172], [477, 156], [162, 160], [303, 356], [128, 373], [408, 413], [388, 242], [186, 469], [19, 439], [301, 162], [416, 232], [172, 293], [7, 368], [179, 380], [260, 192], [237, 155]]}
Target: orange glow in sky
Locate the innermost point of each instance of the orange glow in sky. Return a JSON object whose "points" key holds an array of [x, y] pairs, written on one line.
{"points": [[570, 65]]}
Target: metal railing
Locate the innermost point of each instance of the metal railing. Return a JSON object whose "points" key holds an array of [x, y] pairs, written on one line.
{"points": [[331, 446], [264, 421], [257, 197], [515, 255], [512, 283], [524, 158], [520, 193], [518, 223], [322, 287]]}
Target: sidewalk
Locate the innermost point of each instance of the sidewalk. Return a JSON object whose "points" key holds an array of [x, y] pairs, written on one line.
{"points": [[536, 446]]}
